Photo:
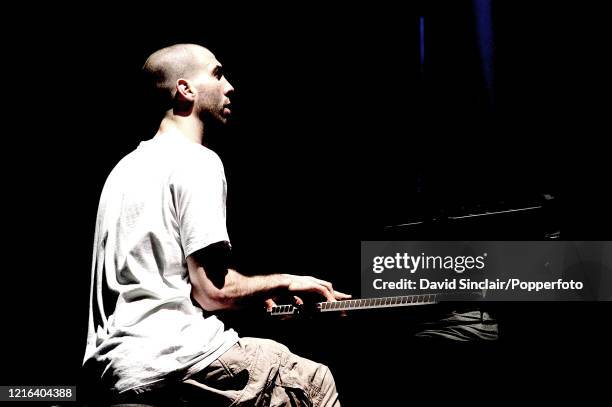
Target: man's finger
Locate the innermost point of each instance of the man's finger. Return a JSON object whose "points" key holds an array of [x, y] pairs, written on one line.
{"points": [[270, 303], [298, 300], [325, 283], [321, 289], [342, 296]]}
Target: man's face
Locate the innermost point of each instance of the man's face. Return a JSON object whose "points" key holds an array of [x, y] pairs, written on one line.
{"points": [[214, 91]]}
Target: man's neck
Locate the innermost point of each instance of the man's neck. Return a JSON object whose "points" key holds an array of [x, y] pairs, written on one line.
{"points": [[187, 126]]}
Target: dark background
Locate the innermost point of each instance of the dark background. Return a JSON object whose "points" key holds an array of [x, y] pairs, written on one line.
{"points": [[336, 134]]}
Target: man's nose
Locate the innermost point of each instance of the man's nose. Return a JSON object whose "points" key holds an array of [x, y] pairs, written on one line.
{"points": [[229, 89]]}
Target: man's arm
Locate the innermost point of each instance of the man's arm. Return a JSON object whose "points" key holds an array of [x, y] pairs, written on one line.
{"points": [[216, 287]]}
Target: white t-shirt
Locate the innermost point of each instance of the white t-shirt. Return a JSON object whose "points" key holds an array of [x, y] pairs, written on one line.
{"points": [[161, 203]]}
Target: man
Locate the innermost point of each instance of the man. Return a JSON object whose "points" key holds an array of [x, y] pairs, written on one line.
{"points": [[161, 245]]}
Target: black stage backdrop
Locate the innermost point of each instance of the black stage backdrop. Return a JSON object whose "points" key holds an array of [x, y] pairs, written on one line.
{"points": [[340, 128]]}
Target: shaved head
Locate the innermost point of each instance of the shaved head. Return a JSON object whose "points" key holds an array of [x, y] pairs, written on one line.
{"points": [[165, 66], [184, 80]]}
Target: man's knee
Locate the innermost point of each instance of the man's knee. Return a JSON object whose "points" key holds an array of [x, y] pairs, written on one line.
{"points": [[295, 371]]}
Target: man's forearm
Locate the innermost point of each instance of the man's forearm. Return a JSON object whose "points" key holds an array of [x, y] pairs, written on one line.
{"points": [[239, 287], [235, 288]]}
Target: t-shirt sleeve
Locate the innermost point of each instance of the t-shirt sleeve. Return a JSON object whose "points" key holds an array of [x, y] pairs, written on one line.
{"points": [[199, 192]]}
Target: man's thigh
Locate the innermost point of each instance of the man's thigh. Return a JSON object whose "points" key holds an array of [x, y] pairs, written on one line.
{"points": [[262, 372]]}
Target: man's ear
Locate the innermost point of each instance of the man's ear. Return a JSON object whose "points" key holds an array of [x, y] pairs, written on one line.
{"points": [[184, 90]]}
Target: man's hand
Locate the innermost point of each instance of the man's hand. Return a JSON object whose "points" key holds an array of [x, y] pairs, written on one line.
{"points": [[271, 302], [308, 284]]}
